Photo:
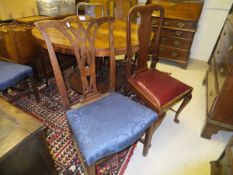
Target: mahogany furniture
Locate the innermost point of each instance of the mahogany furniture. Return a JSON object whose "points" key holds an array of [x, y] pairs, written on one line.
{"points": [[16, 40], [180, 25], [119, 8], [31, 19], [156, 89], [41, 66], [101, 44], [102, 124], [62, 45], [17, 43], [12, 74], [23, 149], [224, 164], [219, 84]]}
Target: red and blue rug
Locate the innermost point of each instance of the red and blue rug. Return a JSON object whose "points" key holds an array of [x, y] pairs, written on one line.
{"points": [[50, 111]]}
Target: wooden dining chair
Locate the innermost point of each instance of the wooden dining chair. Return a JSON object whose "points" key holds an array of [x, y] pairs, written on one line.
{"points": [[12, 74], [158, 90], [102, 124], [119, 8], [90, 9]]}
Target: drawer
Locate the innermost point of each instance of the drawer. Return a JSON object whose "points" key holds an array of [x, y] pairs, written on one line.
{"points": [[176, 42], [176, 23], [172, 53], [211, 86], [177, 33], [222, 64]]}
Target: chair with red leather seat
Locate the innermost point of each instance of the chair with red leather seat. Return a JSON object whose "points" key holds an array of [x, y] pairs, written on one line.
{"points": [[156, 89]]}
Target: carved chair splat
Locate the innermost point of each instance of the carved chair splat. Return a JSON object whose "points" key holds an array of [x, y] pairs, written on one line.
{"points": [[102, 124], [158, 90]]}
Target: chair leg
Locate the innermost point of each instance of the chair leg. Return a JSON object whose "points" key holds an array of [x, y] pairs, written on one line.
{"points": [[159, 121], [147, 141], [91, 169], [183, 104], [42, 59], [34, 88]]}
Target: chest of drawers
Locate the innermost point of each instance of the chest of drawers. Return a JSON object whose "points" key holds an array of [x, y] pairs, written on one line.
{"points": [[219, 83], [180, 25]]}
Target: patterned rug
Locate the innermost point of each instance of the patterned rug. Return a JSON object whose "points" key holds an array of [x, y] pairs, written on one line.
{"points": [[50, 111]]}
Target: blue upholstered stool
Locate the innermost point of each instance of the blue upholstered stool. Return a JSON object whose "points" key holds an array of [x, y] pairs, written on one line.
{"points": [[109, 125], [12, 73]]}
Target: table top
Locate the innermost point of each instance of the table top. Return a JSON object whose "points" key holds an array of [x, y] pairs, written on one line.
{"points": [[15, 126], [32, 19], [61, 44]]}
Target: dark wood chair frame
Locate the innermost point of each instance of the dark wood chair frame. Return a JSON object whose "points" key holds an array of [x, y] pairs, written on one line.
{"points": [[89, 8], [118, 10], [30, 84], [82, 41], [148, 48]]}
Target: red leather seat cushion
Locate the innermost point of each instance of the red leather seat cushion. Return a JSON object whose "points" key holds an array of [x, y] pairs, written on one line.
{"points": [[158, 86]]}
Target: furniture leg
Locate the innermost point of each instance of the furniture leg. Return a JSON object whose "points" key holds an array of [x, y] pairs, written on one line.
{"points": [[43, 56], [91, 169], [34, 88], [147, 141], [183, 104]]}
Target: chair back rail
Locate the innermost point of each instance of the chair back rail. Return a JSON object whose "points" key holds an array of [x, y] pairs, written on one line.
{"points": [[147, 38], [81, 39], [90, 8], [156, 89], [119, 8]]}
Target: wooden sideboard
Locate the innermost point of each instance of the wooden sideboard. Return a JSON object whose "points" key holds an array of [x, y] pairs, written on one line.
{"points": [[23, 149], [224, 164], [219, 83], [17, 43], [180, 25]]}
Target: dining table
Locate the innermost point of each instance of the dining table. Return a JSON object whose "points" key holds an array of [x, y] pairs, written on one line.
{"points": [[62, 45]]}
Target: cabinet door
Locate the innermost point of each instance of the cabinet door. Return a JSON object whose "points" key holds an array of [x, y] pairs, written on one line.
{"points": [[211, 86]]}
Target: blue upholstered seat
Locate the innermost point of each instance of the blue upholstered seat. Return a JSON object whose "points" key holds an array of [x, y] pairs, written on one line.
{"points": [[11, 74], [109, 125]]}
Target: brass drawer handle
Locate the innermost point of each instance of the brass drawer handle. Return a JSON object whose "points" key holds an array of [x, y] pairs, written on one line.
{"points": [[178, 32], [161, 49], [218, 52], [174, 54], [224, 33], [166, 23], [164, 39], [230, 48], [180, 24], [176, 43]]}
